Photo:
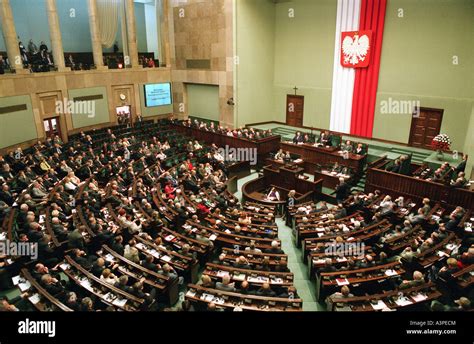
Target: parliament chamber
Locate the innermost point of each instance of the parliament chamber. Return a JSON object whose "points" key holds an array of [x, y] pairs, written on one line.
{"points": [[168, 156]]}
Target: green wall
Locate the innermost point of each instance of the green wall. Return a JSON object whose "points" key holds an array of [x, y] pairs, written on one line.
{"points": [[203, 101], [101, 114], [18, 126], [304, 54], [417, 65], [153, 111], [416, 62], [255, 44]]}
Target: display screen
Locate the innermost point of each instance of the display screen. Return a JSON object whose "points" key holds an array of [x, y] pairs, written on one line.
{"points": [[157, 94]]}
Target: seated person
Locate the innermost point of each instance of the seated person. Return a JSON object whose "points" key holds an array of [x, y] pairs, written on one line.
{"points": [[325, 139], [417, 280], [360, 150], [335, 168], [395, 168], [225, 285], [299, 138], [347, 147], [279, 155], [343, 294], [273, 195], [447, 271], [460, 181], [266, 290]]}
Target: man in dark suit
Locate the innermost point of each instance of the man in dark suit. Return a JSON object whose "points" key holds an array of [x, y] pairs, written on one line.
{"points": [[75, 238], [298, 138], [342, 190], [325, 138]]}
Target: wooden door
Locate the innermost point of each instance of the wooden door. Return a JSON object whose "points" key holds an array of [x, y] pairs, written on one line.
{"points": [[294, 110], [52, 127], [425, 125]]}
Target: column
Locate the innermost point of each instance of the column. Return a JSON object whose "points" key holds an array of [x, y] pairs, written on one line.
{"points": [[55, 35], [132, 34], [165, 34], [95, 35], [11, 42]]}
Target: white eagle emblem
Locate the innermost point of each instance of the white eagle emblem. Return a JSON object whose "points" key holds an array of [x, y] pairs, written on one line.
{"points": [[355, 50]]}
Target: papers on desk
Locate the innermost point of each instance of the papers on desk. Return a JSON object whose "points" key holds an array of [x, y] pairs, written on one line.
{"points": [[24, 286], [450, 246], [342, 281], [379, 305], [258, 279], [419, 297], [207, 297], [403, 301], [340, 260], [169, 237], [222, 273], [16, 279], [119, 302], [109, 257], [320, 234], [218, 300], [441, 254], [109, 297], [238, 277], [64, 266], [213, 237], [319, 229], [319, 261], [166, 258], [297, 161], [140, 246], [86, 283], [391, 272], [276, 280], [191, 293], [34, 299]]}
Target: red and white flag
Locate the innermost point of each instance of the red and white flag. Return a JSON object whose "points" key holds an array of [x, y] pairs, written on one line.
{"points": [[357, 53]]}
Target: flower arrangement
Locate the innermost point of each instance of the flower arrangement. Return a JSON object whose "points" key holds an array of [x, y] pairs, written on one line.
{"points": [[441, 142]]}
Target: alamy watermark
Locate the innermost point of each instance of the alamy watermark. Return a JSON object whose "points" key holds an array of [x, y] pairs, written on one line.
{"points": [[400, 107], [76, 107], [12, 248], [231, 154], [345, 249]]}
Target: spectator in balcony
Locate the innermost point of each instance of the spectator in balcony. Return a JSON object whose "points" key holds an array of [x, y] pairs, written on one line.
{"points": [[23, 54], [32, 48], [43, 47], [151, 63]]}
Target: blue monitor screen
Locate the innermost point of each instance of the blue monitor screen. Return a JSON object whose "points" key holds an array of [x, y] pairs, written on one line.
{"points": [[157, 94]]}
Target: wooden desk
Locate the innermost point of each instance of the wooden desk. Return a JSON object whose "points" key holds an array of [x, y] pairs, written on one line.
{"points": [[327, 282], [230, 300], [263, 146], [363, 303], [313, 156], [44, 295], [396, 184], [284, 179]]}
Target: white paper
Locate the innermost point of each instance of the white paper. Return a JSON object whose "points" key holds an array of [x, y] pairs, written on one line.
{"points": [[24, 286], [379, 305], [34, 299]]}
